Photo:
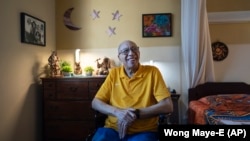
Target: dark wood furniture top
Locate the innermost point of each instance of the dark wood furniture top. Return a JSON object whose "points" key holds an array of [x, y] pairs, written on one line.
{"points": [[212, 88]]}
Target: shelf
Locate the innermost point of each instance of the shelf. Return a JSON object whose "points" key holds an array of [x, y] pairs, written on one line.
{"points": [[229, 17]]}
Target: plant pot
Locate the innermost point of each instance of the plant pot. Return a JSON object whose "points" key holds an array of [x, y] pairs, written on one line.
{"points": [[66, 73], [88, 73]]}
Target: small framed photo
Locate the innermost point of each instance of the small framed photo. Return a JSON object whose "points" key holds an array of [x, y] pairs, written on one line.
{"points": [[33, 30], [157, 25]]}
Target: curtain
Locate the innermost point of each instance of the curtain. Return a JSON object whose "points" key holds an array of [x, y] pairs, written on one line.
{"points": [[197, 60]]}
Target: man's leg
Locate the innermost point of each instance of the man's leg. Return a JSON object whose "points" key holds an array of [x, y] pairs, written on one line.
{"points": [[144, 136], [106, 134]]}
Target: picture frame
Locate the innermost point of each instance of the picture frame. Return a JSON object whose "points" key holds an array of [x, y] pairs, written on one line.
{"points": [[157, 25], [33, 30]]}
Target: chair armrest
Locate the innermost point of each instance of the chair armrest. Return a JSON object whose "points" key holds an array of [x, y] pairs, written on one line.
{"points": [[99, 122], [164, 119], [99, 119]]}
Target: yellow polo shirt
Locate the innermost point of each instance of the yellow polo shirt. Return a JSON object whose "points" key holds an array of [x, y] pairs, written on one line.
{"points": [[144, 89]]}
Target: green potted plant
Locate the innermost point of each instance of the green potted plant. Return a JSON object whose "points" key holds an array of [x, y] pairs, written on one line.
{"points": [[66, 68], [88, 70]]}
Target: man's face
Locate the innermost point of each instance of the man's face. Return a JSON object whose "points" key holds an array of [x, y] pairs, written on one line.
{"points": [[129, 54]]}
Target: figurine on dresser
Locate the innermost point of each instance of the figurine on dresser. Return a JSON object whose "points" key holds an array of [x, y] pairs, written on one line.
{"points": [[103, 68], [78, 69], [54, 64]]}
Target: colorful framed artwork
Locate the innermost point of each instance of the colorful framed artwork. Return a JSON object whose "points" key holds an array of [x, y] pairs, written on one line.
{"points": [[157, 25], [33, 30]]}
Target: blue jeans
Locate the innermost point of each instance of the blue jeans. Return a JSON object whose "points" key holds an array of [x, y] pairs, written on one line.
{"points": [[108, 134]]}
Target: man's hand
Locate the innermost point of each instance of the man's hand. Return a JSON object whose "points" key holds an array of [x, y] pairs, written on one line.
{"points": [[125, 118]]}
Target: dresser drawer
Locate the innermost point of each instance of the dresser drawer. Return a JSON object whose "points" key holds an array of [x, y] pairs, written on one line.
{"points": [[49, 90], [49, 85], [67, 112], [49, 94], [76, 110], [68, 130], [94, 87], [74, 90]]}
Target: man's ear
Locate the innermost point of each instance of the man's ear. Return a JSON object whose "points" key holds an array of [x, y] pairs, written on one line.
{"points": [[109, 63], [119, 57]]}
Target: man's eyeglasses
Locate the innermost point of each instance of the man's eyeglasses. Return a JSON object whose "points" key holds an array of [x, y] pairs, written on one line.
{"points": [[126, 51]]}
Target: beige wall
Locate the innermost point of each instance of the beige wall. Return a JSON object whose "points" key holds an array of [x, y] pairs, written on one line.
{"points": [[93, 32], [95, 43], [227, 5], [21, 66], [237, 38], [230, 33]]}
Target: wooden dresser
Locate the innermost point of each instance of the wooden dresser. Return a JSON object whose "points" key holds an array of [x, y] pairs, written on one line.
{"points": [[67, 107]]}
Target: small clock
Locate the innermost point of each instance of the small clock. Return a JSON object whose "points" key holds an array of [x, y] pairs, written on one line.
{"points": [[220, 51]]}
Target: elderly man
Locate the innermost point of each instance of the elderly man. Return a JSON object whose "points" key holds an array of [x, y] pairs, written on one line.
{"points": [[133, 96]]}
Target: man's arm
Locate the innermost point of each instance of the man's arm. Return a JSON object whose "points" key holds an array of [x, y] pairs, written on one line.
{"points": [[162, 107], [122, 114], [103, 107], [125, 116]]}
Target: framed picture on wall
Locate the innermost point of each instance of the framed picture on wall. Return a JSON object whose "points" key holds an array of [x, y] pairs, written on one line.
{"points": [[33, 30], [157, 25]]}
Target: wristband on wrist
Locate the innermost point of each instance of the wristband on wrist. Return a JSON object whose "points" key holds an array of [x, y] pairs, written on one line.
{"points": [[137, 113]]}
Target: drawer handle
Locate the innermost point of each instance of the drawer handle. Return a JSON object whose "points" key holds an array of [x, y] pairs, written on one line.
{"points": [[73, 89]]}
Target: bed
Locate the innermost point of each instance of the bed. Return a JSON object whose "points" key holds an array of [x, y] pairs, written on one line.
{"points": [[219, 103]]}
